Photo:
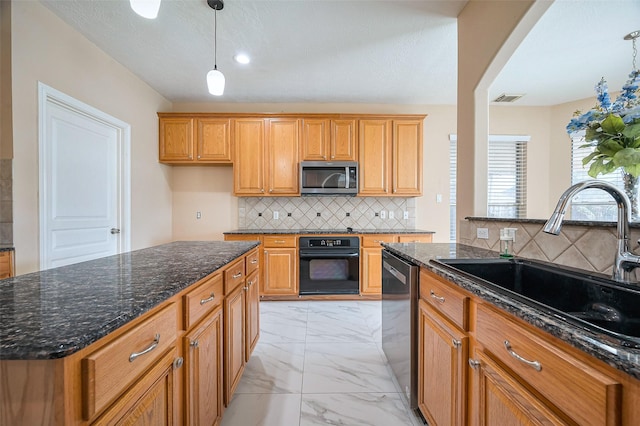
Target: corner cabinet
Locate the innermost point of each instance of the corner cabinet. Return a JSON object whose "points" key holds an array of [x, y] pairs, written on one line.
{"points": [[185, 139], [267, 153], [390, 157]]}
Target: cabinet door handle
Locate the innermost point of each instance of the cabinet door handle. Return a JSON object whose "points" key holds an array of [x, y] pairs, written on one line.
{"points": [[153, 345], [208, 299], [535, 364], [254, 261], [456, 343], [177, 363], [245, 288], [474, 363], [436, 297], [238, 275], [250, 283], [194, 344], [198, 157]]}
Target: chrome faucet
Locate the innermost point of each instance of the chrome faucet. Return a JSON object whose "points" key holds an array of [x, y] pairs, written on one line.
{"points": [[625, 261]]}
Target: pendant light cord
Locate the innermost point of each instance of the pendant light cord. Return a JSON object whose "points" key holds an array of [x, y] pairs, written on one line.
{"points": [[215, 39]]}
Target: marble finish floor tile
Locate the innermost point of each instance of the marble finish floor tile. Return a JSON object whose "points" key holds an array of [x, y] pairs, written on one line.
{"points": [[274, 368], [354, 409], [267, 409], [345, 367], [319, 363]]}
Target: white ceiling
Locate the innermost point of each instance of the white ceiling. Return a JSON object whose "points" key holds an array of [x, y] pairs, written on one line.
{"points": [[360, 51]]}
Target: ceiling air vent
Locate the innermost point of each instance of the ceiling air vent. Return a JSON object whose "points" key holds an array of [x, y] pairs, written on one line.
{"points": [[507, 98]]}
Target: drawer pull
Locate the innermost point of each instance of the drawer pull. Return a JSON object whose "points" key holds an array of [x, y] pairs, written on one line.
{"points": [[238, 275], [254, 261], [456, 343], [279, 241], [208, 299], [474, 363], [436, 297], [153, 345], [245, 288], [250, 283], [535, 364]]}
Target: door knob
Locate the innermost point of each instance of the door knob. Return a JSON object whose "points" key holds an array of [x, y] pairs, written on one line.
{"points": [[115, 231]]}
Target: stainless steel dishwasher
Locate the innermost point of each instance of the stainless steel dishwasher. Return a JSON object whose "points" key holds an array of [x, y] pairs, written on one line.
{"points": [[400, 322]]}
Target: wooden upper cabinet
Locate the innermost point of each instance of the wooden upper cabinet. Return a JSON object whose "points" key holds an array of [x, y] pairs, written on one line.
{"points": [[213, 140], [282, 173], [329, 140], [374, 156], [249, 143], [390, 154], [315, 140], [176, 140], [191, 140], [407, 157]]}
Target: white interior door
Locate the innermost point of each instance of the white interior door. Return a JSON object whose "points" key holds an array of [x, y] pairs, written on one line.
{"points": [[83, 182]]}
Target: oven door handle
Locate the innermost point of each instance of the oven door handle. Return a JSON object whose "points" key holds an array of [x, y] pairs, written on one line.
{"points": [[325, 255]]}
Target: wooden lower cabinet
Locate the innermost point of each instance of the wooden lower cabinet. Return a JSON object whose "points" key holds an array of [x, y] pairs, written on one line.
{"points": [[6, 264], [252, 313], [152, 400], [442, 369], [481, 366], [203, 350], [234, 341], [499, 399], [280, 272]]}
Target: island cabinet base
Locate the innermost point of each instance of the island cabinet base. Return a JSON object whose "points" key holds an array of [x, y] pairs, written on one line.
{"points": [[166, 367]]}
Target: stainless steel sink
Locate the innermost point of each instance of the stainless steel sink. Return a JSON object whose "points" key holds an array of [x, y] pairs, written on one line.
{"points": [[586, 300]]}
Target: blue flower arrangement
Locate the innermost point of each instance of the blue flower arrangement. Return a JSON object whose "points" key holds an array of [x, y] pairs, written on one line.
{"points": [[612, 129]]}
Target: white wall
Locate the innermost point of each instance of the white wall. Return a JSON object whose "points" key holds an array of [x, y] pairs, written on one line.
{"points": [[48, 50]]}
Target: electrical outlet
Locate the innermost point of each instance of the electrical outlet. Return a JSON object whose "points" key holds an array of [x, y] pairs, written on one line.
{"points": [[438, 198], [198, 215], [383, 214], [276, 215], [483, 233], [405, 216], [392, 215]]}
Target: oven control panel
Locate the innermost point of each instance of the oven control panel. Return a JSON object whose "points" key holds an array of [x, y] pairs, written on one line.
{"points": [[328, 242]]}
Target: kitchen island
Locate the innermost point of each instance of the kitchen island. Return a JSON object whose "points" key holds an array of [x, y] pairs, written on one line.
{"points": [[77, 342], [507, 360]]}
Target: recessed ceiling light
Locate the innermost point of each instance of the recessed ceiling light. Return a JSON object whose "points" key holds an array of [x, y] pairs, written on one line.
{"points": [[242, 58]]}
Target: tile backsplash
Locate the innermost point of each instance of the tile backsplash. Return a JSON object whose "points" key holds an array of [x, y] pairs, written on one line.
{"points": [[326, 213], [589, 247], [6, 201]]}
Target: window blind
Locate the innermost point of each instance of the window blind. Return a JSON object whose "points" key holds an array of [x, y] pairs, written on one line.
{"points": [[591, 204], [507, 179]]}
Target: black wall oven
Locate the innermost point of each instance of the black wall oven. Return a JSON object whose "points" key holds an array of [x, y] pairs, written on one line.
{"points": [[329, 265]]}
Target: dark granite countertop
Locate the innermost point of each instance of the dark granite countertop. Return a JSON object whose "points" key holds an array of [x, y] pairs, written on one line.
{"points": [[54, 313], [6, 247], [601, 346], [328, 231]]}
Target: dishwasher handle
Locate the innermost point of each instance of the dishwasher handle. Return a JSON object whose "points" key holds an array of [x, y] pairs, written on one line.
{"points": [[393, 271]]}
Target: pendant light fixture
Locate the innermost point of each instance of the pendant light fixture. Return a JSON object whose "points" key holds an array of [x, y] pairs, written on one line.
{"points": [[146, 8], [215, 79]]}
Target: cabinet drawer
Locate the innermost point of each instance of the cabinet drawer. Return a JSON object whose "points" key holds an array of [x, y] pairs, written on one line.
{"points": [[289, 241], [415, 238], [107, 372], [234, 276], [449, 301], [586, 395], [252, 261], [201, 300], [375, 240]]}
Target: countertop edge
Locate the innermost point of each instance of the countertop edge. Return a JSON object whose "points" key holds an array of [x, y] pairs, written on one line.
{"points": [[597, 345], [325, 231]]}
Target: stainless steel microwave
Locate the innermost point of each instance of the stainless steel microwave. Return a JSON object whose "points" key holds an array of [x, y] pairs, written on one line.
{"points": [[329, 178]]}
